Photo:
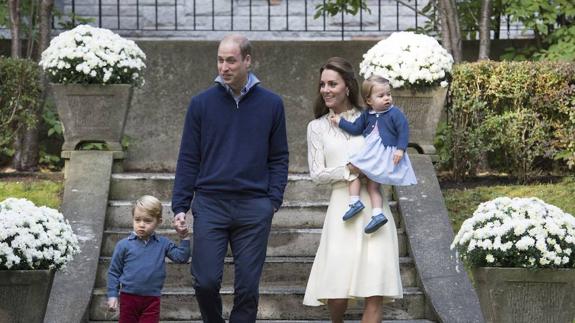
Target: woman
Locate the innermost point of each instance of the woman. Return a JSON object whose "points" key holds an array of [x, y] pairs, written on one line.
{"points": [[348, 264]]}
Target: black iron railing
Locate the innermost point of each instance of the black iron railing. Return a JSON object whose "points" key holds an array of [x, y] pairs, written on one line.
{"points": [[277, 16]]}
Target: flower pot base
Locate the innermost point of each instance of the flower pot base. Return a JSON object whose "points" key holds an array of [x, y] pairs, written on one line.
{"points": [[24, 295], [77, 144], [524, 295], [93, 113], [423, 110]]}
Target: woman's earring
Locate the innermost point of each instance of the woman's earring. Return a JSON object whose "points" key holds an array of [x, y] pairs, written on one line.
{"points": [[347, 92]]}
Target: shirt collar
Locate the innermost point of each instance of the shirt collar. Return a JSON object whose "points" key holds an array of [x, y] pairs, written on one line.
{"points": [[251, 82], [134, 236], [372, 111]]}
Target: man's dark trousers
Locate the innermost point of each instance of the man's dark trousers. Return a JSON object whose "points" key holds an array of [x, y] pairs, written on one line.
{"points": [[245, 224]]}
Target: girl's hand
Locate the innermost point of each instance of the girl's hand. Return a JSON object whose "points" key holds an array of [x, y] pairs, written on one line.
{"points": [[397, 156], [334, 119], [112, 304]]}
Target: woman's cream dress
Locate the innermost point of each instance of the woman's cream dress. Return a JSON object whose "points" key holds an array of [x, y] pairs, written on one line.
{"points": [[348, 262]]}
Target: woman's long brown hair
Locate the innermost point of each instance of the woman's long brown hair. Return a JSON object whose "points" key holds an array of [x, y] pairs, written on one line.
{"points": [[345, 70]]}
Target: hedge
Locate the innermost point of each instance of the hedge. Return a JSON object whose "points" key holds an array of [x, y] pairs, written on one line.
{"points": [[20, 94], [516, 113]]}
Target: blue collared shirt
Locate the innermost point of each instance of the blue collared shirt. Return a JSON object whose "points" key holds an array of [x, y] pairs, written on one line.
{"points": [[251, 82], [138, 267]]}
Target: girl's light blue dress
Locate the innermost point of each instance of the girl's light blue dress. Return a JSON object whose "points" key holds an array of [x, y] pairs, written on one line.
{"points": [[375, 160]]}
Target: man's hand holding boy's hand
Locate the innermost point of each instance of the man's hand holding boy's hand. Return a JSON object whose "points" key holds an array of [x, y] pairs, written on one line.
{"points": [[112, 304], [179, 223]]}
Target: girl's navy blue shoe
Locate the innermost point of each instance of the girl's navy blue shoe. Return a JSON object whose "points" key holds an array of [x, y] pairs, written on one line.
{"points": [[376, 222], [354, 209]]}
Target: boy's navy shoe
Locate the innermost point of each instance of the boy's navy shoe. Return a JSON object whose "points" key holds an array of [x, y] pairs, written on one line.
{"points": [[354, 209], [376, 222]]}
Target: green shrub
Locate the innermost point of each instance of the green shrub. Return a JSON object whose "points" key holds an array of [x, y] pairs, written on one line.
{"points": [[519, 112], [19, 95]]}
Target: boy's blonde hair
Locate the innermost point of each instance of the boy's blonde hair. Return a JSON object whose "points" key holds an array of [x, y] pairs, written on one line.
{"points": [[369, 83], [150, 206]]}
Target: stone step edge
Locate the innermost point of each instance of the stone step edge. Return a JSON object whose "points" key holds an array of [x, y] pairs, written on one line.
{"points": [[265, 290], [276, 259], [286, 204], [172, 176], [127, 231], [291, 321]]}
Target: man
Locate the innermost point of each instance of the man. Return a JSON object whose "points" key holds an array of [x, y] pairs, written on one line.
{"points": [[233, 162]]}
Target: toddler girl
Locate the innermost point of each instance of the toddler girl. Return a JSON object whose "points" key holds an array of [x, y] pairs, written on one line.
{"points": [[383, 159]]}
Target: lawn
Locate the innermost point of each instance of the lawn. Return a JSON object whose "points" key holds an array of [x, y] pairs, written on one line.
{"points": [[40, 191]]}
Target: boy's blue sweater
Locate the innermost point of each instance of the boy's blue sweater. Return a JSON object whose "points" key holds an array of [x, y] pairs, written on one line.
{"points": [[138, 267], [392, 124], [232, 151]]}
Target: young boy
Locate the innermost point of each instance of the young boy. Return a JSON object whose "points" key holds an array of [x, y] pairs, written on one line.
{"points": [[137, 270]]}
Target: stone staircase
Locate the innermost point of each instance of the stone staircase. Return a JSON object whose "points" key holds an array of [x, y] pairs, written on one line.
{"points": [[292, 245]]}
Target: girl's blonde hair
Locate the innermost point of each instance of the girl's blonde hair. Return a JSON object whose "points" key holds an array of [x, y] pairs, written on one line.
{"points": [[369, 83], [150, 206]]}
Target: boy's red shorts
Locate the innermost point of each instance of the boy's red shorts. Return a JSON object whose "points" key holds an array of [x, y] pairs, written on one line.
{"points": [[139, 309]]}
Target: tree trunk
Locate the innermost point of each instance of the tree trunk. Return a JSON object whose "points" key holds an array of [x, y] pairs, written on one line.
{"points": [[14, 8], [30, 147], [450, 30], [455, 32], [444, 27], [26, 141], [484, 30], [31, 36], [45, 25]]}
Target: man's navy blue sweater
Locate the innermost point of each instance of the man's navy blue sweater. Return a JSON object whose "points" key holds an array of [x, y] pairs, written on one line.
{"points": [[232, 151]]}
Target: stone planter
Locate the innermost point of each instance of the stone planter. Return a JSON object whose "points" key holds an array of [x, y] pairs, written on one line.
{"points": [[24, 295], [523, 295], [423, 109], [93, 113]]}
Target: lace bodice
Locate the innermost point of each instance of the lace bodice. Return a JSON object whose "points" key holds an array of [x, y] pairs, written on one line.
{"points": [[329, 149]]}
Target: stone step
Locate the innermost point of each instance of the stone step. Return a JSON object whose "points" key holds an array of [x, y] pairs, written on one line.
{"points": [[282, 242], [276, 303], [130, 186], [278, 271], [296, 321], [290, 215]]}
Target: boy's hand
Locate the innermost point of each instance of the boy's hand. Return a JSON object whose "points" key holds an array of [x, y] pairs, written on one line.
{"points": [[397, 156], [179, 223], [334, 118], [112, 304]]}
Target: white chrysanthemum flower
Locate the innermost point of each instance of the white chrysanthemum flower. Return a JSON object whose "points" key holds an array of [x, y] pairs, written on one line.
{"points": [[34, 237], [82, 55], [489, 258], [523, 232], [408, 59]]}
